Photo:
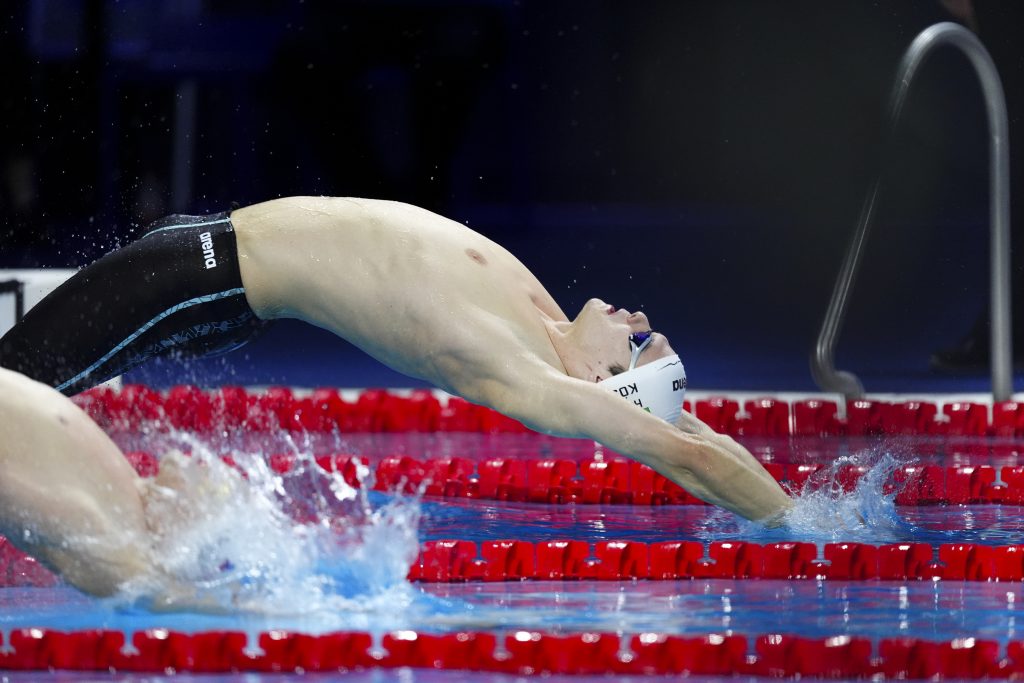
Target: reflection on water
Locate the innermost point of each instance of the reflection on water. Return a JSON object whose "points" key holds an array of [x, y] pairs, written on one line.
{"points": [[480, 521], [922, 609]]}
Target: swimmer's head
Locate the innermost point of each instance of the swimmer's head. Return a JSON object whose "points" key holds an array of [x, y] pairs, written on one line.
{"points": [[617, 349]]}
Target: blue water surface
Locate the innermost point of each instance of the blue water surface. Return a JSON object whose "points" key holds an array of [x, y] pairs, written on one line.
{"points": [[873, 609]]}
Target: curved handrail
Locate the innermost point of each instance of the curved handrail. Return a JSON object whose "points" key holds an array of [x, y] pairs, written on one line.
{"points": [[822, 359]]}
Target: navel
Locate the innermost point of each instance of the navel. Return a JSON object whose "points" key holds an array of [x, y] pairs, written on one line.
{"points": [[476, 256]]}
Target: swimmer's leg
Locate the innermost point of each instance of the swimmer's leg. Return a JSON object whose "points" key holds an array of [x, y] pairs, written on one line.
{"points": [[68, 497], [177, 290]]}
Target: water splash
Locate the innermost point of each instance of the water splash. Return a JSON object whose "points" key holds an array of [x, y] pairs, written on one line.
{"points": [[826, 511], [247, 538]]}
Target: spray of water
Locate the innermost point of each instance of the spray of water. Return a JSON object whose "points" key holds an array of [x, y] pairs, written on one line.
{"points": [[247, 538], [251, 539], [825, 511]]}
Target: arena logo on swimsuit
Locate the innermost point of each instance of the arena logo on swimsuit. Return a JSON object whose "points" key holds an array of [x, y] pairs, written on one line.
{"points": [[207, 245]]}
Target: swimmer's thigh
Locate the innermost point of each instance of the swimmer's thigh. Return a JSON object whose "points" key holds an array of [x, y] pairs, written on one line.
{"points": [[67, 494], [177, 290]]}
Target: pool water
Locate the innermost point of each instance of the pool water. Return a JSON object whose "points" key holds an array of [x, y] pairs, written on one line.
{"points": [[940, 610], [481, 521]]}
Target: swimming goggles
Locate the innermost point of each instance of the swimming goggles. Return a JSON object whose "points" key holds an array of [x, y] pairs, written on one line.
{"points": [[638, 341]]}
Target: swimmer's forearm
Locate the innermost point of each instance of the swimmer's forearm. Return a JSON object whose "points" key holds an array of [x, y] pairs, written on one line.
{"points": [[732, 477], [719, 471], [691, 425], [710, 466]]}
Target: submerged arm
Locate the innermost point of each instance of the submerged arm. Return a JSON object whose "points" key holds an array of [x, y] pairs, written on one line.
{"points": [[711, 466]]}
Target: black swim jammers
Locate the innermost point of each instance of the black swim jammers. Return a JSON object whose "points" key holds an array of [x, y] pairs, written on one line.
{"points": [[176, 290]]}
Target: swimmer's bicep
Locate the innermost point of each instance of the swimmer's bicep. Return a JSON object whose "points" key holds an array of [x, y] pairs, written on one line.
{"points": [[558, 405], [541, 404], [526, 394]]}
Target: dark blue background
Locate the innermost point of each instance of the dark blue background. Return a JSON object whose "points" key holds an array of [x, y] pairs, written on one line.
{"points": [[704, 161]]}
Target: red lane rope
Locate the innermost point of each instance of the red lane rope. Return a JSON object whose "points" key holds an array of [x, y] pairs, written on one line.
{"points": [[528, 652], [515, 652], [376, 410], [625, 482], [448, 561], [453, 561], [984, 433]]}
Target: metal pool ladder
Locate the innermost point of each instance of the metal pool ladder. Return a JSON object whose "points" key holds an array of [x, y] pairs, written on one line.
{"points": [[823, 369]]}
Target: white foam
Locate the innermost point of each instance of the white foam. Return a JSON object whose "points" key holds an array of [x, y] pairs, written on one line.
{"points": [[253, 540], [823, 512]]}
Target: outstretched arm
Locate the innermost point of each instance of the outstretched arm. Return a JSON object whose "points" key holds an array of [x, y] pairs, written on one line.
{"points": [[691, 425], [711, 466]]}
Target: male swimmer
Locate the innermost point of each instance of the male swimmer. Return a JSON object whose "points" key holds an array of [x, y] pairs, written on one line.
{"points": [[422, 294]]}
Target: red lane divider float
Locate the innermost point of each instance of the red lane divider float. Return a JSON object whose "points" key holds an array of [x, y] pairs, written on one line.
{"points": [[448, 561], [376, 410], [452, 561], [514, 652], [981, 432], [626, 482], [323, 410]]}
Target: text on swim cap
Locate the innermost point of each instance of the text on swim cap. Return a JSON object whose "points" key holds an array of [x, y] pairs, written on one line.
{"points": [[679, 384], [207, 245], [626, 390]]}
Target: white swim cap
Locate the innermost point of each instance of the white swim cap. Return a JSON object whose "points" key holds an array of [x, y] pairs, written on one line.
{"points": [[657, 387]]}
